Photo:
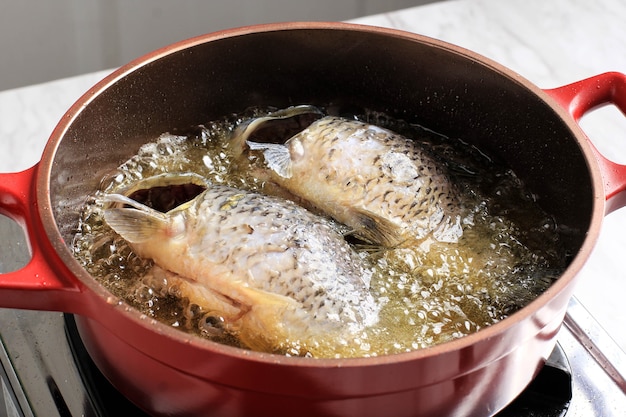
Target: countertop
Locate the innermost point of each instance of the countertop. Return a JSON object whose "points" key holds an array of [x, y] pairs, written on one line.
{"points": [[551, 43]]}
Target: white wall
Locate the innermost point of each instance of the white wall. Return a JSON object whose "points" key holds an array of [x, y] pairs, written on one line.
{"points": [[42, 40]]}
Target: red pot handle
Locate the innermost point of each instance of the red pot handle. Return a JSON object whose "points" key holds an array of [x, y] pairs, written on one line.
{"points": [[42, 284], [584, 96]]}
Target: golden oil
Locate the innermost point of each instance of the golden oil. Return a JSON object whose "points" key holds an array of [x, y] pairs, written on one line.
{"points": [[428, 296]]}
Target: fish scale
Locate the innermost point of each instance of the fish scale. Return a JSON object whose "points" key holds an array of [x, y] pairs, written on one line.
{"points": [[384, 186], [275, 271]]}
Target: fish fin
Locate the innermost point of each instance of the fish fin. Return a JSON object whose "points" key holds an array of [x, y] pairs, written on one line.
{"points": [[240, 297], [262, 326], [252, 315], [137, 224], [277, 157], [265, 298], [376, 229]]}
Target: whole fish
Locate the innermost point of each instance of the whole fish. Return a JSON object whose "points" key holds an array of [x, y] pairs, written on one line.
{"points": [[381, 184], [280, 277]]}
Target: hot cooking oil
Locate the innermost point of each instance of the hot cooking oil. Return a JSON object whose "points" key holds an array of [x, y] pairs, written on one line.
{"points": [[509, 252]]}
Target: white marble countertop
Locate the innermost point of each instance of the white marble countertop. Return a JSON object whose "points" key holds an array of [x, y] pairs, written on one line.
{"points": [[551, 43]]}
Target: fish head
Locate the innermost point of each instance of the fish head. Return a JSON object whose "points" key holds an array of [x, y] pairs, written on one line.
{"points": [[275, 128], [147, 230]]}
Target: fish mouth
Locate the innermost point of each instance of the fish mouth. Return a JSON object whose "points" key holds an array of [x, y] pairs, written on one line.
{"points": [[279, 126], [165, 192], [167, 197]]}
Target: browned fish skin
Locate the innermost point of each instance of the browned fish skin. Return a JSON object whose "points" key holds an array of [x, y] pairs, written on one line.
{"points": [[381, 184]]}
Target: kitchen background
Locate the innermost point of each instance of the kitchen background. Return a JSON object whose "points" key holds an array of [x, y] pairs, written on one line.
{"points": [[42, 40]]}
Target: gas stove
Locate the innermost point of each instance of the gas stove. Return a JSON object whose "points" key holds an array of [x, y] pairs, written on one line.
{"points": [[46, 371]]}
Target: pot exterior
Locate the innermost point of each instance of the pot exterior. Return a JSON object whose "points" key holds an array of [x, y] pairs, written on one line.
{"points": [[423, 81], [162, 390]]}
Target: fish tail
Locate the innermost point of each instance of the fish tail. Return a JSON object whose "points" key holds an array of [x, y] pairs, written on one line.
{"points": [[136, 224]]}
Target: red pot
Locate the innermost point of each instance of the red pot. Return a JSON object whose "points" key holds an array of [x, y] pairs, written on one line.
{"points": [[441, 86]]}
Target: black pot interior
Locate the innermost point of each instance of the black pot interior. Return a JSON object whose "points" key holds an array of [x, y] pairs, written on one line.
{"points": [[406, 77]]}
